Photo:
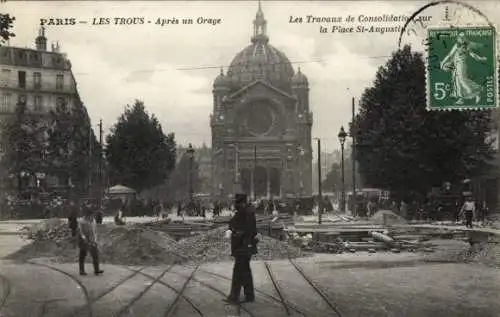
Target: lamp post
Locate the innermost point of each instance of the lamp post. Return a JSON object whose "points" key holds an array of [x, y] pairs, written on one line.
{"points": [[342, 136], [320, 198], [190, 153], [301, 165]]}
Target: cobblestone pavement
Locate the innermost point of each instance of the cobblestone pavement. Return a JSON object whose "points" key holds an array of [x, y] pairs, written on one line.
{"points": [[327, 285]]}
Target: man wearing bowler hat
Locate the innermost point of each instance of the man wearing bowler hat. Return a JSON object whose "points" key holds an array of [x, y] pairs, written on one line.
{"points": [[243, 228]]}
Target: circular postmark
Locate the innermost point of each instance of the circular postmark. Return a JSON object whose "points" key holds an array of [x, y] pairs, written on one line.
{"points": [[442, 13], [460, 49]]}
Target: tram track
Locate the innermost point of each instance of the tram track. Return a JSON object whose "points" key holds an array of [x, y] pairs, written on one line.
{"points": [[316, 288], [186, 299], [218, 291], [278, 288], [155, 280], [266, 295], [7, 289], [110, 289], [81, 286], [171, 309]]}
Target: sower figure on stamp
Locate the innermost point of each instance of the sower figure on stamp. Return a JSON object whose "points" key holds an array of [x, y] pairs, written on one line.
{"points": [[243, 228], [463, 86], [87, 242]]}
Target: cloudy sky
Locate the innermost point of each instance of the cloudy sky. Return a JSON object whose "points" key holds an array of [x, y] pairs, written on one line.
{"points": [[171, 68]]}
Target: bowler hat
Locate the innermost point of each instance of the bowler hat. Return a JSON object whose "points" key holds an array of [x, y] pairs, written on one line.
{"points": [[240, 198]]}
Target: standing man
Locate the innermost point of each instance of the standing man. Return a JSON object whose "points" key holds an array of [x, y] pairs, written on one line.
{"points": [[468, 211], [73, 218], [243, 245], [88, 242]]}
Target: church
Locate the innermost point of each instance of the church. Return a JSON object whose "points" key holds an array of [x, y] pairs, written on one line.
{"points": [[261, 123]]}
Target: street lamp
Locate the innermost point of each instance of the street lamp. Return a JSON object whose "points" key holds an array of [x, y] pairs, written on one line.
{"points": [[320, 198], [342, 136], [301, 165], [190, 153]]}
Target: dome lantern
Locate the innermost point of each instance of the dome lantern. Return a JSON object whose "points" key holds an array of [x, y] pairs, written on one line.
{"points": [[260, 27], [260, 60]]}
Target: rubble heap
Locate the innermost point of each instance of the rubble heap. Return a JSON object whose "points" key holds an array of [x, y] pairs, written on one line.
{"points": [[212, 246], [139, 245], [51, 229]]}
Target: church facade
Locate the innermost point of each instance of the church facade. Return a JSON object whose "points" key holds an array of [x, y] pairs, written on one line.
{"points": [[261, 123]]}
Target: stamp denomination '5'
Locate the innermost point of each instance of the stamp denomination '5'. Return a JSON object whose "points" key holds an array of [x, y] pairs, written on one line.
{"points": [[462, 68]]}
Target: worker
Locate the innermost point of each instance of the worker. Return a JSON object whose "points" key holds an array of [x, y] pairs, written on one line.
{"points": [[87, 242], [99, 215], [119, 217], [243, 228], [468, 211], [73, 218]]}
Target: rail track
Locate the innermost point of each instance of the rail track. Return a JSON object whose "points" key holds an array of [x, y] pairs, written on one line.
{"points": [[126, 308], [109, 290], [266, 295], [173, 306], [7, 289], [278, 288], [186, 299], [218, 291], [316, 288], [88, 301]]}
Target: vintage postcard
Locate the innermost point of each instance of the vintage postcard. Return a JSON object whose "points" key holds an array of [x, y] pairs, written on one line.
{"points": [[249, 158]]}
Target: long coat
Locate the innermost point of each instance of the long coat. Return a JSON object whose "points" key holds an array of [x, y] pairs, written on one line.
{"points": [[244, 231]]}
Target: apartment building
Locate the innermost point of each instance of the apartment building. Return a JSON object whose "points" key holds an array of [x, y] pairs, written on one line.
{"points": [[38, 78]]}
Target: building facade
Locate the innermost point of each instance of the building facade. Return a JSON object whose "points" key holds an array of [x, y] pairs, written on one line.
{"points": [[39, 79], [261, 123]]}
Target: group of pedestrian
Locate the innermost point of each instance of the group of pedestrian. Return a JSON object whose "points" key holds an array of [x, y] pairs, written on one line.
{"points": [[193, 208]]}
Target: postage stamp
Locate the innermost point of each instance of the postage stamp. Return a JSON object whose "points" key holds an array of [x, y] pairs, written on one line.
{"points": [[461, 68]]}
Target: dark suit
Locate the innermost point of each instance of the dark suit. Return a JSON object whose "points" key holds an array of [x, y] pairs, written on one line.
{"points": [[243, 246]]}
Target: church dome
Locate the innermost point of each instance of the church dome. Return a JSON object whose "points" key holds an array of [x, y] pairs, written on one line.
{"points": [[300, 79], [260, 60]]}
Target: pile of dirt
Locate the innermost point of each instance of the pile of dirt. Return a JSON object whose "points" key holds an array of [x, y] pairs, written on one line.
{"points": [[138, 245], [124, 245], [212, 246]]}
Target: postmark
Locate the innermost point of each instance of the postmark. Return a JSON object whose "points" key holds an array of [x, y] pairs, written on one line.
{"points": [[462, 72]]}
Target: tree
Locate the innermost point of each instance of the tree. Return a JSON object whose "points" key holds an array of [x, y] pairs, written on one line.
{"points": [[25, 143], [139, 154], [405, 148], [73, 150], [60, 147], [179, 181], [6, 23]]}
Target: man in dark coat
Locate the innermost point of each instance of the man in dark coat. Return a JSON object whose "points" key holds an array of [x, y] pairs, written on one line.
{"points": [[73, 218], [243, 245]]}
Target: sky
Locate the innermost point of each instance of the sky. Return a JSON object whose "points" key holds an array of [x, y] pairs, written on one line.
{"points": [[172, 67]]}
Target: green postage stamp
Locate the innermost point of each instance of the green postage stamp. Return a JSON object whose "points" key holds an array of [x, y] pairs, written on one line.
{"points": [[462, 70]]}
